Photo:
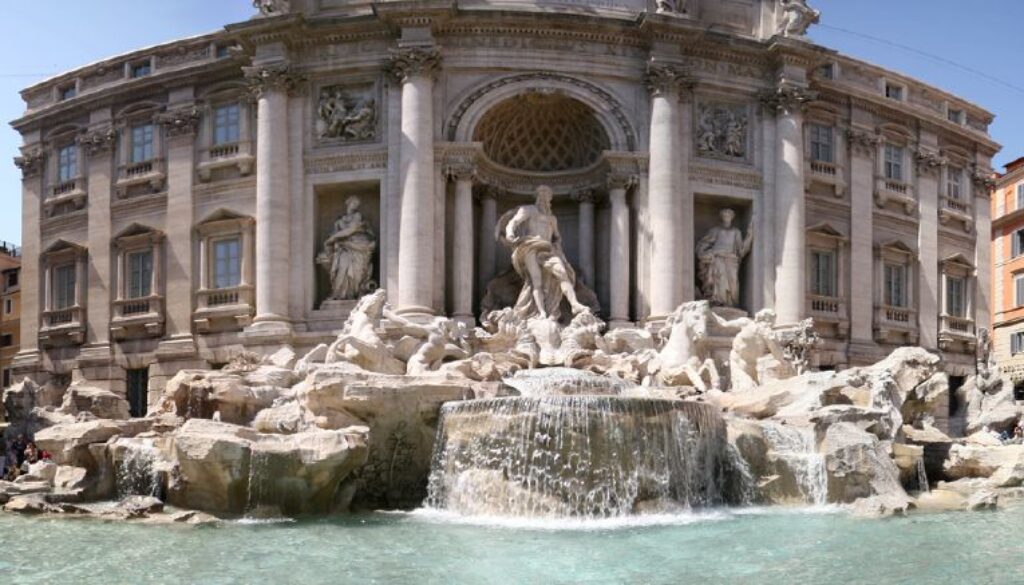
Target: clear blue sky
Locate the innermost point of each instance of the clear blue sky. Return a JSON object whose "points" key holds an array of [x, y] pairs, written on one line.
{"points": [[45, 37]]}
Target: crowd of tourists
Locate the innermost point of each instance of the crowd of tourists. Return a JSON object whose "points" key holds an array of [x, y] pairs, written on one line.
{"points": [[19, 454]]}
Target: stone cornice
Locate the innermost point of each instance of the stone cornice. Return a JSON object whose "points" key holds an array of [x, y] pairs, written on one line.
{"points": [[407, 62], [459, 159], [180, 121]]}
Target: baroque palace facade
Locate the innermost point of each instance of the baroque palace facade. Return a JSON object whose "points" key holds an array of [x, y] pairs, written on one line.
{"points": [[239, 189]]}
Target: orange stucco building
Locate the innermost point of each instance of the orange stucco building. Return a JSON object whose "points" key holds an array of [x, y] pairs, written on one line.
{"points": [[1008, 270]]}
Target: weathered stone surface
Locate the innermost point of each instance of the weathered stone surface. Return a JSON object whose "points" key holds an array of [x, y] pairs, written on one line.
{"points": [[69, 478], [873, 421], [213, 466], [140, 506], [981, 461], [285, 419], [859, 466], [997, 411], [882, 506], [10, 489], [312, 360], [193, 517], [68, 444], [909, 460], [99, 402], [283, 358], [43, 471], [29, 504]]}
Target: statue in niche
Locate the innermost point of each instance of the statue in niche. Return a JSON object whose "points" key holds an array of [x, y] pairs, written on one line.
{"points": [[722, 131], [797, 17], [531, 231], [345, 117], [347, 254], [719, 254]]}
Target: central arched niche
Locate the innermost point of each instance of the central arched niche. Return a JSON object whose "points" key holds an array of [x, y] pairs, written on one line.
{"points": [[542, 132]]}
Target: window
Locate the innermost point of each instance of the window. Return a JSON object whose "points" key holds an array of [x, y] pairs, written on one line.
{"points": [[823, 273], [1018, 242], [955, 116], [1017, 342], [6, 340], [954, 183], [821, 143], [64, 286], [8, 306], [226, 124], [1020, 196], [956, 296], [142, 143], [893, 162], [1018, 290], [67, 163], [140, 274], [896, 285], [141, 69], [893, 92], [12, 279], [227, 263], [827, 71], [68, 92], [223, 51], [137, 382]]}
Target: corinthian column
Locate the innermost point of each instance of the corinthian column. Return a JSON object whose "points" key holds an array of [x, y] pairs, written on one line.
{"points": [[586, 201], [791, 265], [618, 256], [271, 83], [671, 228], [415, 69], [487, 249], [462, 250]]}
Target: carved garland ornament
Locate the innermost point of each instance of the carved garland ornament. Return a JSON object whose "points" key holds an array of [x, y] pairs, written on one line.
{"points": [[179, 121], [272, 77]]}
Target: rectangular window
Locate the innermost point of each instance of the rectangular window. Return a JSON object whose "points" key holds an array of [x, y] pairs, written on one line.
{"points": [[1018, 290], [1017, 242], [68, 92], [894, 92], [226, 124], [63, 286], [223, 51], [954, 183], [1020, 196], [137, 382], [896, 285], [823, 273], [140, 274], [142, 143], [6, 340], [893, 162], [827, 71], [821, 143], [12, 279], [67, 163], [1017, 342], [7, 377], [955, 116], [956, 296], [141, 69], [8, 306], [227, 263]]}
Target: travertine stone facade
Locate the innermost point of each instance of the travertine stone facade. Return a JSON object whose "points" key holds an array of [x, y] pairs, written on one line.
{"points": [[176, 198]]}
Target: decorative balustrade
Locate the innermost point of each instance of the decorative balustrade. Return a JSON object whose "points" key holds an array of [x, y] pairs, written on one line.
{"points": [[961, 326], [68, 187], [138, 169], [956, 205], [827, 309], [825, 169], [897, 316], [224, 156], [224, 150], [220, 307], [825, 173], [131, 308], [60, 326], [897, 187], [887, 190], [225, 297], [138, 317]]}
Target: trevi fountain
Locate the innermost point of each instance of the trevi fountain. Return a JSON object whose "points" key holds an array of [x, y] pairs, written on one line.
{"points": [[635, 393]]}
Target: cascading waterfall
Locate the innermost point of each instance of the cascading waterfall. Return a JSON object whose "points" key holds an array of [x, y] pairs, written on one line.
{"points": [[796, 447], [922, 477], [137, 475], [259, 467], [579, 457], [565, 382]]}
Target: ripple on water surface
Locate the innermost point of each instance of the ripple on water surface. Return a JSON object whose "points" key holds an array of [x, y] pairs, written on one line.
{"points": [[734, 546]]}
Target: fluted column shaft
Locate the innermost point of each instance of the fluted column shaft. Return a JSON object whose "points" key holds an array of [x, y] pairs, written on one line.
{"points": [[415, 69], [618, 256]]}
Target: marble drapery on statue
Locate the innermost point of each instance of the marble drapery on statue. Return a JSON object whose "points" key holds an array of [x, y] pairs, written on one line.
{"points": [[531, 232], [348, 254], [719, 253]]}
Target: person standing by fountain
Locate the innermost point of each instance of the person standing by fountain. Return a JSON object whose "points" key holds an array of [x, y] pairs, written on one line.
{"points": [[537, 257]]}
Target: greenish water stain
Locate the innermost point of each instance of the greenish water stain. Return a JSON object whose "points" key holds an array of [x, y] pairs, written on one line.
{"points": [[751, 546]]}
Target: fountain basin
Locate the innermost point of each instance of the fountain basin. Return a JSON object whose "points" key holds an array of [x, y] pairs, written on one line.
{"points": [[579, 457]]}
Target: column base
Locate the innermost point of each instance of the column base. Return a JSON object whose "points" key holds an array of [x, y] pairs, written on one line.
{"points": [[417, 314], [614, 323], [467, 320], [267, 330]]}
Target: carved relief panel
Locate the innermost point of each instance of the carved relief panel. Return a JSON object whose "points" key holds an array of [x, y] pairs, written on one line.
{"points": [[347, 113], [722, 131]]}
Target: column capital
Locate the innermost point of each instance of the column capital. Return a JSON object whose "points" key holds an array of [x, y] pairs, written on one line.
{"points": [[459, 160], [863, 142], [582, 196], [787, 97], [98, 140], [30, 161], [983, 178], [622, 180], [928, 162], [180, 121], [407, 62], [487, 192], [665, 79], [276, 76]]}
